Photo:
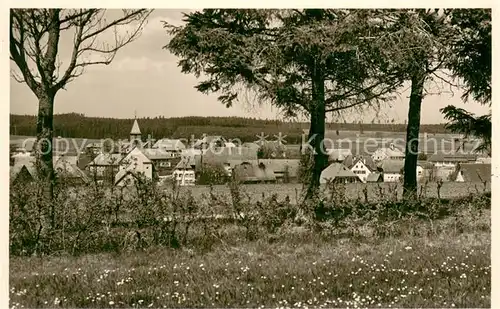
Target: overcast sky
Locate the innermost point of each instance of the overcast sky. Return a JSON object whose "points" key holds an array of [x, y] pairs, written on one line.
{"points": [[144, 78]]}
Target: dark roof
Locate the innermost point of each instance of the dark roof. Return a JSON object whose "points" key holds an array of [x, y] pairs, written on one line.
{"points": [[336, 170], [475, 172], [367, 160]]}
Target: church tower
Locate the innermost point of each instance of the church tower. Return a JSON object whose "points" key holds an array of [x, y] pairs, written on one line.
{"points": [[135, 133]]}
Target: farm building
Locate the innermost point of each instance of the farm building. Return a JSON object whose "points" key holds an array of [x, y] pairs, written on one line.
{"points": [[284, 170], [248, 172], [441, 159], [473, 172], [392, 170], [104, 166], [338, 173], [388, 153]]}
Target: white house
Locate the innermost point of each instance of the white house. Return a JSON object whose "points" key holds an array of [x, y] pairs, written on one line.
{"points": [[133, 164], [361, 169], [391, 153], [184, 173]]}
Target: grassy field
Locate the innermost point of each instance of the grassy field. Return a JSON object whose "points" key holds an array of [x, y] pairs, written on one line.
{"points": [[352, 191], [445, 263]]}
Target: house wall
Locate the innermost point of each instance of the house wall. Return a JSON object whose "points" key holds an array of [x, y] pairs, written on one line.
{"points": [[136, 161], [361, 170], [420, 171], [392, 177], [445, 164], [184, 177]]}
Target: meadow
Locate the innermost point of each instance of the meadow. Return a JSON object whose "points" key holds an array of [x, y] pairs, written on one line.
{"points": [[352, 191], [424, 266], [338, 253]]}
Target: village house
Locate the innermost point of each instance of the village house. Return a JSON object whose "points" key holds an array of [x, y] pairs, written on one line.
{"points": [[362, 166], [184, 172], [338, 173], [135, 163], [68, 169], [25, 170], [163, 162], [104, 167], [388, 153], [392, 170], [473, 172]]}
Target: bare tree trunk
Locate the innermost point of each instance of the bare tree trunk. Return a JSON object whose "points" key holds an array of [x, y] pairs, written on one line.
{"points": [[412, 132], [317, 131], [44, 151]]}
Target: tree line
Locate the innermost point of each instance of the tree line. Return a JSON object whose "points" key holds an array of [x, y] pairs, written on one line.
{"points": [[73, 125]]}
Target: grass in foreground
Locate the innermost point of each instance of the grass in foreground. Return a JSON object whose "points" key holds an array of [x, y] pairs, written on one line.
{"points": [[446, 269]]}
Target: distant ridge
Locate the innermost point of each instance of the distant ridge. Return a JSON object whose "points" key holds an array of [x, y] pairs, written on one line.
{"points": [[80, 126]]}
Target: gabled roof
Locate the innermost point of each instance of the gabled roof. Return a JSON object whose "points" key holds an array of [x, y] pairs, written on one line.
{"points": [[135, 153], [169, 144], [185, 163], [475, 172], [23, 169], [336, 170], [366, 160], [135, 128], [374, 177], [71, 170], [107, 159], [124, 173]]}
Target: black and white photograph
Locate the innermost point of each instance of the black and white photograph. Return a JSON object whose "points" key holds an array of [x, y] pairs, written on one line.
{"points": [[250, 157]]}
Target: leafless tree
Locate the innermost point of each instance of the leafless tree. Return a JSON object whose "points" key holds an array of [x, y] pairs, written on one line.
{"points": [[35, 38]]}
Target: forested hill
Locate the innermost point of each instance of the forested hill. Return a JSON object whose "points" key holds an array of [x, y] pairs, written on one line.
{"points": [[78, 125]]}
